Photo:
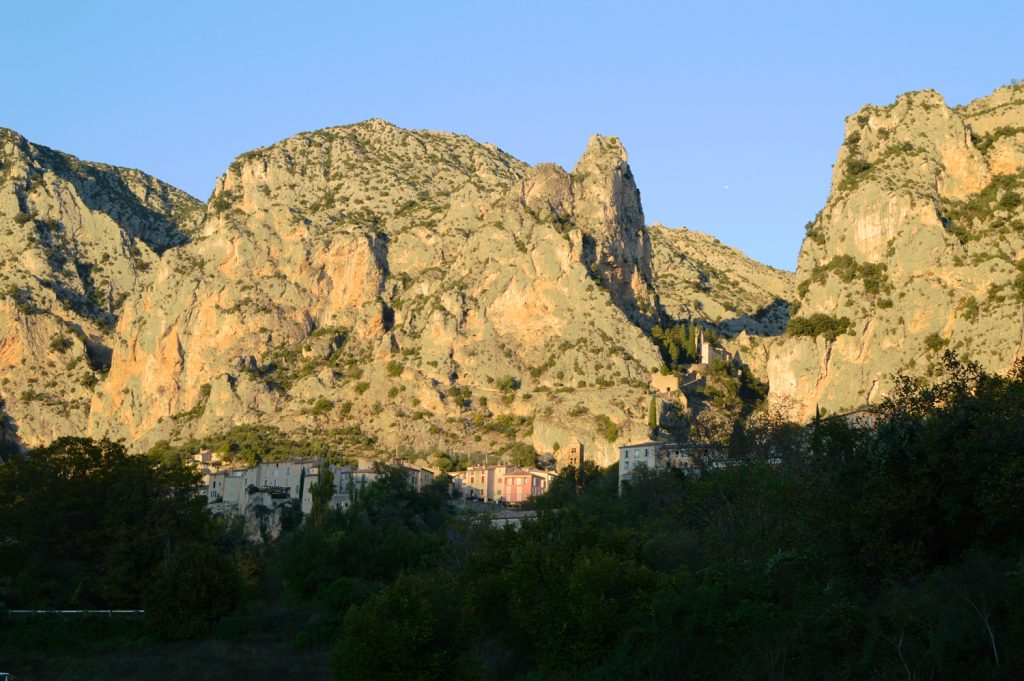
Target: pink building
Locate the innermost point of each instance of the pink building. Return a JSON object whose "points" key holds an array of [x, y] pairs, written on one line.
{"points": [[509, 484]]}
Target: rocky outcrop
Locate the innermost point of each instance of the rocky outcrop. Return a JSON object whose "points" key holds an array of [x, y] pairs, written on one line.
{"points": [[918, 249], [616, 245]]}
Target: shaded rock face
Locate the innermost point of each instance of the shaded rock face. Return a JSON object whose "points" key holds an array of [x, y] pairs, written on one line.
{"points": [[919, 246], [699, 277], [78, 238]]}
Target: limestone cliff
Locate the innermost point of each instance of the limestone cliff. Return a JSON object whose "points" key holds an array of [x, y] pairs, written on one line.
{"points": [[392, 287], [918, 248], [616, 244], [77, 238]]}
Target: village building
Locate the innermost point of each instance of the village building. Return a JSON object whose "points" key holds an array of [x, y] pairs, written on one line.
{"points": [[524, 483], [259, 493], [419, 476], [658, 456], [707, 352], [206, 458], [507, 484], [207, 462], [511, 518], [667, 384]]}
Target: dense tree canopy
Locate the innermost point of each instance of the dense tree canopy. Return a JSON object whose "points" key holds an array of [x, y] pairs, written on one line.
{"points": [[83, 524], [886, 547]]}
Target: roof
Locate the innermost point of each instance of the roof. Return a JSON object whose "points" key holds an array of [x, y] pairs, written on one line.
{"points": [[646, 444], [512, 515]]}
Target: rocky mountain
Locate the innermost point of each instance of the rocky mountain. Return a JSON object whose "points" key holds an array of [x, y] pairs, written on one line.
{"points": [[391, 287], [919, 248], [380, 288], [368, 284], [78, 238]]}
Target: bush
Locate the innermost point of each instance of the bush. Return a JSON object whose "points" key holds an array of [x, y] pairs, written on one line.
{"points": [[819, 324], [507, 384], [395, 368], [857, 168], [873, 276], [607, 427], [934, 342], [60, 343], [522, 454], [322, 406]]}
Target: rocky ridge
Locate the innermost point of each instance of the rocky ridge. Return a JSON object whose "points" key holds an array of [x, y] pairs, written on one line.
{"points": [[699, 277]]}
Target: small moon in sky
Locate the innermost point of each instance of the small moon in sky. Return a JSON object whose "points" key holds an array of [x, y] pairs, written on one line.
{"points": [[726, 186]]}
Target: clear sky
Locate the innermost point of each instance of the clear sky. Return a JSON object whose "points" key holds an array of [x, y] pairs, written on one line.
{"points": [[732, 113]]}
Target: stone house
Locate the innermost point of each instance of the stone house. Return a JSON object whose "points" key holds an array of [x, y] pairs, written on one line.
{"points": [[664, 383]]}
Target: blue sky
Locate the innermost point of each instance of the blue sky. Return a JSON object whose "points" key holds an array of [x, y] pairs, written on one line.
{"points": [[749, 96]]}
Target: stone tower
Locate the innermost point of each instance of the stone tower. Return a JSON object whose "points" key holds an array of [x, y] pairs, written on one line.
{"points": [[574, 453]]}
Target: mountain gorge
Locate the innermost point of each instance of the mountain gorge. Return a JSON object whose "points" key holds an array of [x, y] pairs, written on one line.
{"points": [[381, 288]]}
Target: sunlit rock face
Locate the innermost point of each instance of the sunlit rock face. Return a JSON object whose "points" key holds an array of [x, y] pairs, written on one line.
{"points": [[919, 246]]}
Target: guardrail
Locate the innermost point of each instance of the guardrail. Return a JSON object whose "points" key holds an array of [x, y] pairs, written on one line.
{"points": [[109, 613]]}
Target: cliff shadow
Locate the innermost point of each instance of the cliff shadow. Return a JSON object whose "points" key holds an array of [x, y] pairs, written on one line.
{"points": [[10, 443], [770, 320], [104, 190]]}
